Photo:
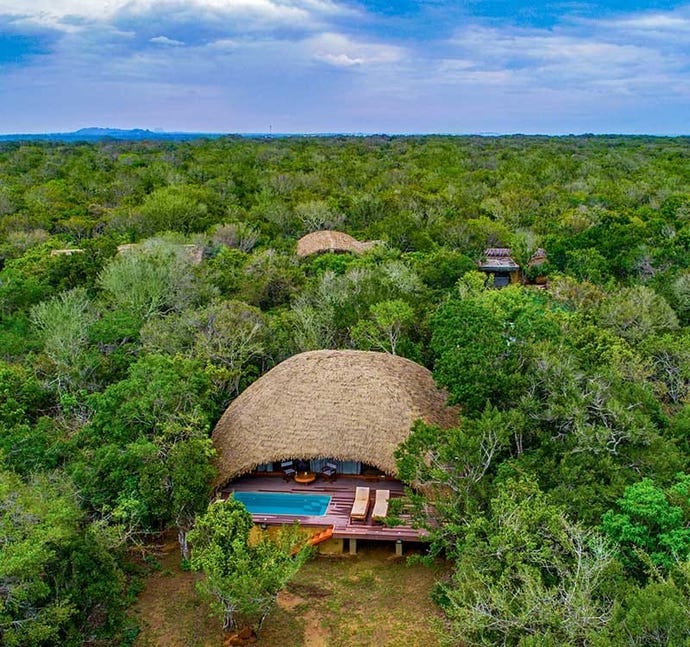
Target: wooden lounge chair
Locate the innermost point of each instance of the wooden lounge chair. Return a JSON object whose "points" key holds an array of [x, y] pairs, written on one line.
{"points": [[361, 505], [288, 469], [329, 471], [380, 505]]}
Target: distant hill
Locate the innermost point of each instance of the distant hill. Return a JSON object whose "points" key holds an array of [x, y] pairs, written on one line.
{"points": [[100, 134], [93, 134]]}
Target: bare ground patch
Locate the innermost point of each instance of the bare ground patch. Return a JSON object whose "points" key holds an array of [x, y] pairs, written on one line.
{"points": [[170, 611], [368, 599]]}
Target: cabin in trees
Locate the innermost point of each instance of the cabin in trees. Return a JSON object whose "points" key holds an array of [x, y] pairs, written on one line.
{"points": [[498, 262], [318, 242], [346, 408]]}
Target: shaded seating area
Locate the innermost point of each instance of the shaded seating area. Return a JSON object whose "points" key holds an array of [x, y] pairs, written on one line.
{"points": [[380, 510], [360, 507], [329, 471]]}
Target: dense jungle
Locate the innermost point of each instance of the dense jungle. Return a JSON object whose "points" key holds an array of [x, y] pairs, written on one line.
{"points": [[563, 494]]}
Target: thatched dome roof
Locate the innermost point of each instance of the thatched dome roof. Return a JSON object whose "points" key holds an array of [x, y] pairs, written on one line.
{"points": [[342, 404], [330, 241]]}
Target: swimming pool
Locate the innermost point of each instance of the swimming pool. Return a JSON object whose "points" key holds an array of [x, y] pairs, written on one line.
{"points": [[305, 505]]}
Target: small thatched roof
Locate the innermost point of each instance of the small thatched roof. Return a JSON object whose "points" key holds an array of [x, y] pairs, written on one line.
{"points": [[343, 404], [538, 258], [66, 252], [498, 259], [331, 241]]}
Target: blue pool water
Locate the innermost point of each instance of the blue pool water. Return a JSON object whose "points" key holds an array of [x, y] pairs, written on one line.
{"points": [[308, 505]]}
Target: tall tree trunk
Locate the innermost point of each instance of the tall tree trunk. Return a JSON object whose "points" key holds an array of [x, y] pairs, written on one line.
{"points": [[182, 539]]}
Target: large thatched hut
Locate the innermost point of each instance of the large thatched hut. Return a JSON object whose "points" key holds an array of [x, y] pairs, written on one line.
{"points": [[352, 406], [318, 242]]}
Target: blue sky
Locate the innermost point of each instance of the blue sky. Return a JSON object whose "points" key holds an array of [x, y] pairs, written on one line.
{"points": [[343, 66]]}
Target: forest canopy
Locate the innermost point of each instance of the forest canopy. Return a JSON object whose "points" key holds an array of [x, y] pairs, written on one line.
{"points": [[144, 285]]}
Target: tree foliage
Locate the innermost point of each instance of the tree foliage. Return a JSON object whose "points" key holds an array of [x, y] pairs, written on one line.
{"points": [[242, 575], [651, 525], [57, 571], [154, 280], [527, 575], [116, 365]]}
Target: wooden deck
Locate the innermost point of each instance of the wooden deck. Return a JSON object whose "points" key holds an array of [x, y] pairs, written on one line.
{"points": [[342, 492]]}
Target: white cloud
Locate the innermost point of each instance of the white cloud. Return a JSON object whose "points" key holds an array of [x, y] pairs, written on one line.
{"points": [[339, 60], [68, 15], [564, 57], [226, 44], [649, 23], [164, 40], [341, 51], [457, 71]]}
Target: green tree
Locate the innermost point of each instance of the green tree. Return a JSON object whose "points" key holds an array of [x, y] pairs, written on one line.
{"points": [[59, 581], [598, 410], [388, 323], [226, 334], [453, 469], [175, 208], [468, 343], [441, 270], [634, 313], [670, 358], [24, 281], [33, 523], [242, 577], [527, 575], [63, 326], [145, 457], [317, 214], [653, 615], [161, 396], [483, 341], [587, 265], [190, 474], [153, 280], [651, 524]]}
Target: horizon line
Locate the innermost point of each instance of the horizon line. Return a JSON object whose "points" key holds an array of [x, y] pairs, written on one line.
{"points": [[93, 132]]}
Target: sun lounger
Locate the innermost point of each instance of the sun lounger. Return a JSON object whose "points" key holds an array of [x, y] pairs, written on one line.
{"points": [[361, 505], [380, 505]]}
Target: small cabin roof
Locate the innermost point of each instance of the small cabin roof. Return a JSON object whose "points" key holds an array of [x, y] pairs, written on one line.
{"points": [[498, 259]]}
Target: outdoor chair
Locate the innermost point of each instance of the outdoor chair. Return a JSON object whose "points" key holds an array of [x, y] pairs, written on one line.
{"points": [[361, 505], [329, 471], [380, 505], [288, 469]]}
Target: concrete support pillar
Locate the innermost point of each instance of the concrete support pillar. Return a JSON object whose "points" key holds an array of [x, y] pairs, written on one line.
{"points": [[353, 546], [398, 548]]}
